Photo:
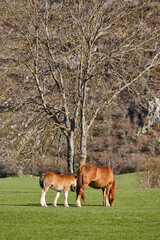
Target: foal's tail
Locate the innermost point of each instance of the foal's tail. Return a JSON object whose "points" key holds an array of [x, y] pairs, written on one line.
{"points": [[112, 193], [41, 180], [80, 182]]}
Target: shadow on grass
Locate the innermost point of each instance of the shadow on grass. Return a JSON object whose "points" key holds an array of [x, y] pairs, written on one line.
{"points": [[49, 204], [20, 205]]}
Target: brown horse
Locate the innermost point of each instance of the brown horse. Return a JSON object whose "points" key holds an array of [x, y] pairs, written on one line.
{"points": [[58, 182], [98, 177]]}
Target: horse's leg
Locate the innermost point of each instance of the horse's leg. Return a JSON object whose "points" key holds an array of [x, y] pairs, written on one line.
{"points": [[107, 195], [42, 199], [79, 195], [66, 198], [104, 196], [56, 198]]}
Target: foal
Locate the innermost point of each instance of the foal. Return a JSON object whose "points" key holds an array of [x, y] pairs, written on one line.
{"points": [[58, 182]]}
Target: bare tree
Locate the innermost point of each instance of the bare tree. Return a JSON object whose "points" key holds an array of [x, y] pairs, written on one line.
{"points": [[80, 56]]}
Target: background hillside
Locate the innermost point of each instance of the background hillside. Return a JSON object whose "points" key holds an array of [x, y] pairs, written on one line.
{"points": [[126, 132]]}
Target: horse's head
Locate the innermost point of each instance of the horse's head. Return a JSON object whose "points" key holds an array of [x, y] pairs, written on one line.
{"points": [[111, 201], [74, 183]]}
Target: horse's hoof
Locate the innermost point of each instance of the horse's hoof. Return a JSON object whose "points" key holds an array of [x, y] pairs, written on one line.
{"points": [[43, 205], [78, 205], [66, 205], [54, 205]]}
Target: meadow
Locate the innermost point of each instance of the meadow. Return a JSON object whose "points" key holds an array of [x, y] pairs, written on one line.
{"points": [[135, 214]]}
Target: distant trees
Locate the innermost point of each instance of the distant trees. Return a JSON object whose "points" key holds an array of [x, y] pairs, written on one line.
{"points": [[67, 60]]}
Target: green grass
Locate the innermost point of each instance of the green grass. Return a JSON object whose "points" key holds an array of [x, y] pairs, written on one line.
{"points": [[135, 214]]}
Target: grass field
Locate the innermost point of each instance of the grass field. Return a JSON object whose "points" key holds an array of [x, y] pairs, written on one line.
{"points": [[135, 214]]}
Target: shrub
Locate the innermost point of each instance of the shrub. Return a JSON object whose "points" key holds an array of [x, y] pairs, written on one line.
{"points": [[8, 169], [151, 174]]}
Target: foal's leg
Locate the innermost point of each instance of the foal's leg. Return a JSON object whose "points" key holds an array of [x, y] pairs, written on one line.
{"points": [[42, 199], [56, 198], [79, 195], [66, 198]]}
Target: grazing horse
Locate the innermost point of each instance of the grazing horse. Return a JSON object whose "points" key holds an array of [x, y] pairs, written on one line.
{"points": [[98, 177], [58, 182]]}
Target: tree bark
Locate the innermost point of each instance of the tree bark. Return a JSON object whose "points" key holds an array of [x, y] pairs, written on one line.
{"points": [[84, 127], [70, 153], [83, 150], [70, 148]]}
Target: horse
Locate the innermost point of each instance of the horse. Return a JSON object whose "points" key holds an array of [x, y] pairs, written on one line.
{"points": [[97, 177], [58, 182]]}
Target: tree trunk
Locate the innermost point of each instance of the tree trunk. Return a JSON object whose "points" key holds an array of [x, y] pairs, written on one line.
{"points": [[70, 153], [70, 147], [84, 135], [84, 128], [83, 148]]}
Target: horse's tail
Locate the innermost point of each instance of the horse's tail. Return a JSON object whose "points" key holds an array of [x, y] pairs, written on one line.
{"points": [[80, 182], [41, 180], [112, 193]]}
